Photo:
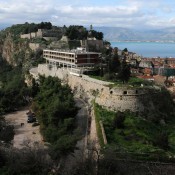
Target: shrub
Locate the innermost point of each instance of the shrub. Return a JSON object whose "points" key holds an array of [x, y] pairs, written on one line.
{"points": [[119, 120]]}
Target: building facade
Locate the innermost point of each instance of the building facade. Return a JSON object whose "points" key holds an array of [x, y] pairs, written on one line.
{"points": [[77, 60]]}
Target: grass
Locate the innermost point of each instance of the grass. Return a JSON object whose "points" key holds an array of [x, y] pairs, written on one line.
{"points": [[98, 127], [133, 82], [139, 138], [99, 78]]}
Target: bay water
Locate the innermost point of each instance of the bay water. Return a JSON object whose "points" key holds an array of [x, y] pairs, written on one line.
{"points": [[148, 49]]}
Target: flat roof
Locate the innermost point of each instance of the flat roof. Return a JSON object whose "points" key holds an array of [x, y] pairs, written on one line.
{"points": [[71, 51]]}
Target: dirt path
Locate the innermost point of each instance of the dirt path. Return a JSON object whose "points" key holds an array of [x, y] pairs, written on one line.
{"points": [[25, 134]]}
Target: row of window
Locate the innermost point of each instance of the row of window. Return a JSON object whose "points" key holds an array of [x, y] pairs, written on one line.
{"points": [[60, 54], [60, 58], [125, 92]]}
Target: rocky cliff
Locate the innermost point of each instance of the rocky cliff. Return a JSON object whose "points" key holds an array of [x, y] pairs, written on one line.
{"points": [[14, 51]]}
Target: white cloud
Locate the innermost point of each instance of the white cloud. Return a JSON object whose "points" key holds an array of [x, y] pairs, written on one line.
{"points": [[126, 13], [107, 10]]}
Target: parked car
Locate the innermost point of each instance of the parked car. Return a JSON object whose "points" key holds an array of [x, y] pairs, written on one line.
{"points": [[31, 119]]}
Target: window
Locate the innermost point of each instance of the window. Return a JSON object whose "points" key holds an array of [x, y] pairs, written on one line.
{"points": [[125, 92]]}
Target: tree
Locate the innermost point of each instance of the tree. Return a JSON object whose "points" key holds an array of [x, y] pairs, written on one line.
{"points": [[119, 120], [97, 35], [29, 160], [114, 63], [161, 140], [55, 110], [124, 73], [76, 32]]}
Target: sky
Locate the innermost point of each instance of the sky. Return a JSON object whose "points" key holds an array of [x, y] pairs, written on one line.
{"points": [[112, 13]]}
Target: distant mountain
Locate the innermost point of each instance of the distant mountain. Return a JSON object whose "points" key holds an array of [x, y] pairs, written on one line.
{"points": [[119, 33]]}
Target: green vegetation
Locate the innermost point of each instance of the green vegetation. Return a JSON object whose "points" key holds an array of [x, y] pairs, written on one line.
{"points": [[76, 32], [133, 136], [13, 90], [98, 127], [74, 44], [36, 57], [55, 109], [25, 28], [26, 161], [79, 33], [6, 131], [112, 67], [132, 82]]}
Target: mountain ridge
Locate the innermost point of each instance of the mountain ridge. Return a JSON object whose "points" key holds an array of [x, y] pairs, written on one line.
{"points": [[122, 34]]}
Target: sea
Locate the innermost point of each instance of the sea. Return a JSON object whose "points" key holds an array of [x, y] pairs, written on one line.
{"points": [[148, 49]]}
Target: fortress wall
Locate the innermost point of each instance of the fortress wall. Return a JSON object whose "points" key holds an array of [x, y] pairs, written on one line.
{"points": [[112, 98], [33, 35], [34, 46], [26, 36], [51, 38], [39, 33], [44, 69]]}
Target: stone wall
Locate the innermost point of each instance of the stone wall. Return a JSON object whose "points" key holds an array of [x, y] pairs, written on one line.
{"points": [[43, 33], [118, 98], [98, 44], [26, 36], [47, 70], [50, 38], [35, 46], [113, 98], [33, 35]]}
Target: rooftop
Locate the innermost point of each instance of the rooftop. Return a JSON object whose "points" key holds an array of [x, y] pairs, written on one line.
{"points": [[77, 51]]}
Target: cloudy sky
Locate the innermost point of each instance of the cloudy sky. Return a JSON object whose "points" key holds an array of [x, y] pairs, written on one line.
{"points": [[117, 13]]}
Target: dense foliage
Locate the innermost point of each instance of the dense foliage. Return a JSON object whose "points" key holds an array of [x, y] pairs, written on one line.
{"points": [[55, 109], [112, 67], [26, 161], [6, 131], [28, 27], [13, 90], [79, 33]]}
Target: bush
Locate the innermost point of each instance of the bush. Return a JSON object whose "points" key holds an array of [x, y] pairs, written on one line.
{"points": [[119, 120], [109, 76]]}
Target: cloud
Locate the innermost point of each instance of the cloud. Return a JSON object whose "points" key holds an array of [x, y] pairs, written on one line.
{"points": [[126, 13], [105, 11]]}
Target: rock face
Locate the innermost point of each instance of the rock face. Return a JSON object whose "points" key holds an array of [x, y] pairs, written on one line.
{"points": [[116, 99], [8, 50], [14, 51]]}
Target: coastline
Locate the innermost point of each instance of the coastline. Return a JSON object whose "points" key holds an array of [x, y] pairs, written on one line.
{"points": [[148, 49], [145, 41]]}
